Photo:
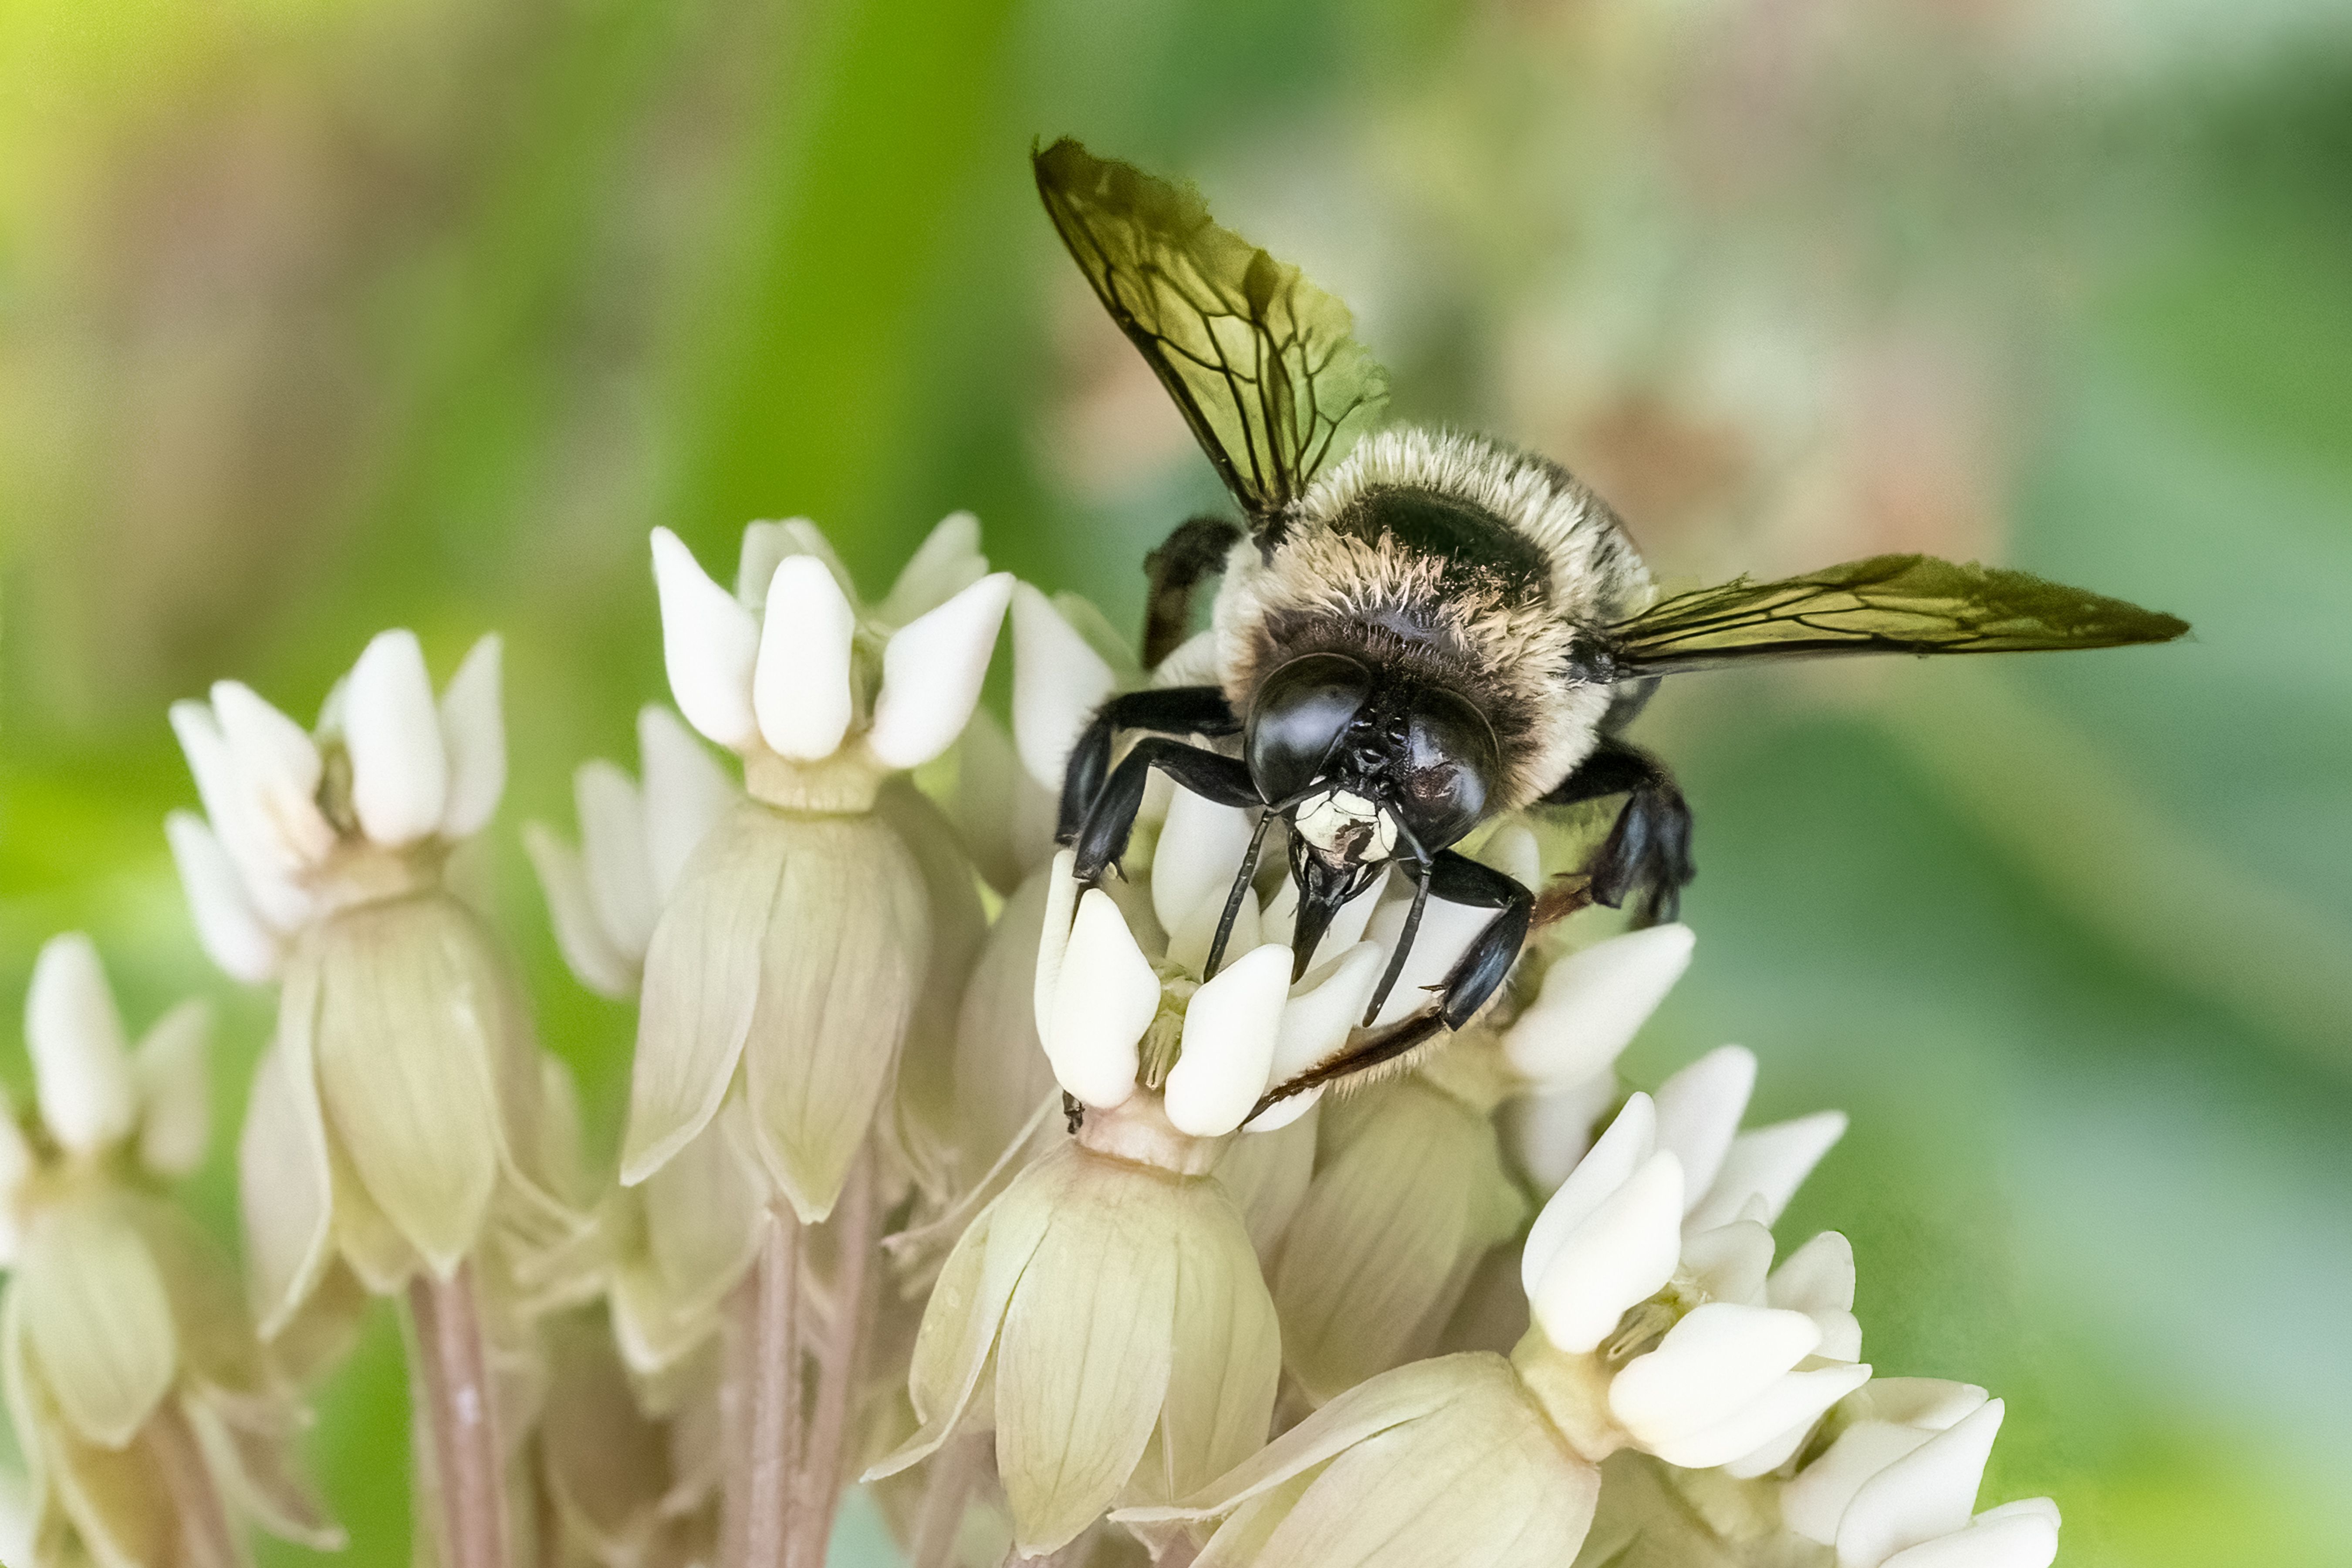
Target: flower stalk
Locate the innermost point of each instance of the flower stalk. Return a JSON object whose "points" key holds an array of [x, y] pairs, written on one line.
{"points": [[453, 1406], [763, 1399]]}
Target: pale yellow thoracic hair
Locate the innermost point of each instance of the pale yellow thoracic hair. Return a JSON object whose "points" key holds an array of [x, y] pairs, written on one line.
{"points": [[1314, 584]]}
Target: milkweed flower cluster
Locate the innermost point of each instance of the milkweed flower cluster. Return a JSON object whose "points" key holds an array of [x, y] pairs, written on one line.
{"points": [[938, 1167]]}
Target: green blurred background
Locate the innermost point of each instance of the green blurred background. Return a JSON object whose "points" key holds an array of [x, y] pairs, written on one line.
{"points": [[317, 316]]}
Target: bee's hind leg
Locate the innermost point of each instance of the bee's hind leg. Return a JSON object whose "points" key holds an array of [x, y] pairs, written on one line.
{"points": [[1101, 839], [1177, 709], [1197, 549], [1647, 854]]}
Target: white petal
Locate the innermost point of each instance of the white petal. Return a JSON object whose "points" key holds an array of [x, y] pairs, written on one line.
{"points": [[1930, 1404], [1190, 939], [1720, 1356], [1058, 681], [1731, 1262], [1325, 1008], [686, 792], [1447, 930], [16, 1164], [1593, 1002], [580, 935], [1549, 1131], [931, 671], [1995, 1540], [1512, 851], [174, 1089], [400, 773], [1346, 927], [258, 853], [1699, 1110], [230, 931], [81, 1061], [1062, 890], [1230, 1027], [947, 562], [1817, 1497], [613, 852], [708, 642], [1621, 1254], [1629, 1139], [1816, 1278], [1923, 1495], [1284, 1111], [473, 734], [1106, 997], [1200, 850], [764, 545], [1791, 1404], [280, 766], [1769, 1163], [801, 690]]}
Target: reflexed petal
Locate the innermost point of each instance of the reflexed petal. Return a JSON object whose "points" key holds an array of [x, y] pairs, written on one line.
{"points": [[708, 642], [1084, 1359], [16, 1165], [701, 986], [613, 853], [174, 1090], [704, 1212], [227, 926], [801, 686], [925, 1118], [97, 1320], [1717, 1358], [1106, 994], [991, 794], [1267, 1176], [285, 1183], [1230, 1026], [280, 764], [587, 952], [1228, 1354], [474, 736], [1618, 1255], [1593, 1002], [1398, 1216], [1926, 1493], [1058, 681], [686, 792], [1788, 1403], [405, 1046], [400, 770], [947, 562], [931, 671], [1699, 1110], [257, 1469], [81, 1065], [844, 950], [1769, 1163], [258, 853], [1629, 1139], [1001, 1071], [1996, 1538]]}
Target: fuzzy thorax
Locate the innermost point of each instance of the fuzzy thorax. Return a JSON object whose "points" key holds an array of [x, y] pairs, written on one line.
{"points": [[1507, 616]]}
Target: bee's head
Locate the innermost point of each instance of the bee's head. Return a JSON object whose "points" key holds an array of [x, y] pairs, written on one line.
{"points": [[1361, 763]]}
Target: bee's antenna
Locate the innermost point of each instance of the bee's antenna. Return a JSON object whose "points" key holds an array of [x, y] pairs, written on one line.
{"points": [[1405, 943], [1233, 900]]}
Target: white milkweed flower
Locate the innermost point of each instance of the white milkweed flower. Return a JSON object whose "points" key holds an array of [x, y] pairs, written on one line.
{"points": [[404, 1105], [635, 837], [152, 1423], [799, 940]]}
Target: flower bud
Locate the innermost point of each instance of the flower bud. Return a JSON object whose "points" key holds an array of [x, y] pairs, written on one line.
{"points": [[82, 1064]]}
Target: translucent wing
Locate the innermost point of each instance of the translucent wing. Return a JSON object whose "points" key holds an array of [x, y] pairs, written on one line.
{"points": [[1888, 604], [1258, 359]]}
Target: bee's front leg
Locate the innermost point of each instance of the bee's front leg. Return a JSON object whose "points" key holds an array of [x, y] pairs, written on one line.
{"points": [[1101, 839], [1648, 850], [1173, 710]]}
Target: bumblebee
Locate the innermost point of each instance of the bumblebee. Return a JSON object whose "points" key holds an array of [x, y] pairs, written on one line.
{"points": [[1417, 630]]}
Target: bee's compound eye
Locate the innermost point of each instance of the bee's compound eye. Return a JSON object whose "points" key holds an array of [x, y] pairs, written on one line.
{"points": [[1451, 762], [1299, 718]]}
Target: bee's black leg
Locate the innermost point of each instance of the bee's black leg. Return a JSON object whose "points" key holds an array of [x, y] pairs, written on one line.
{"points": [[1102, 837], [1648, 851], [1475, 974], [1176, 709], [1196, 550]]}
